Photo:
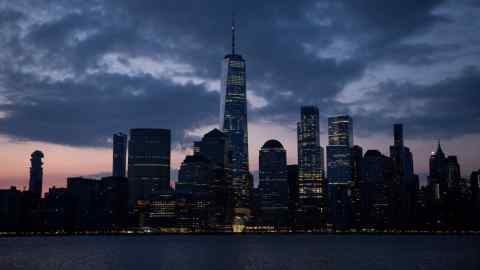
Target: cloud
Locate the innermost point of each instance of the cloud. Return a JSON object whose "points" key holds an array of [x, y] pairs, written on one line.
{"points": [[442, 110], [74, 72], [86, 113]]}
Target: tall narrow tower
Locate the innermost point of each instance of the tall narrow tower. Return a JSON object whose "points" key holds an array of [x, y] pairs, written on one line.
{"points": [[311, 211], [233, 121], [119, 154], [36, 174], [339, 170]]}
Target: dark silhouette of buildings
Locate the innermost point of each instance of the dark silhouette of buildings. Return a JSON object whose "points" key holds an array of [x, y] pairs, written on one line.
{"points": [[312, 206], [84, 194], [192, 190], [204, 197], [215, 146], [292, 175], [375, 190], [58, 209], [404, 183], [438, 174], [273, 186], [474, 203], [36, 174], [357, 187], [215, 191], [92, 203], [11, 210], [119, 154], [233, 121]]}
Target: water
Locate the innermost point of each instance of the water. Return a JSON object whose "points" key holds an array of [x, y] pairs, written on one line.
{"points": [[252, 252]]}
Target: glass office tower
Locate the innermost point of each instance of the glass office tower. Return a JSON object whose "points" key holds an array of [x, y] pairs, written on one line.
{"points": [[339, 170], [233, 115], [148, 163], [119, 154], [273, 185], [311, 210]]}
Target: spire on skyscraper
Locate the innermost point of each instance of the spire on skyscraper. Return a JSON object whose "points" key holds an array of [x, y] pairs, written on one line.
{"points": [[439, 150], [233, 33], [439, 147]]}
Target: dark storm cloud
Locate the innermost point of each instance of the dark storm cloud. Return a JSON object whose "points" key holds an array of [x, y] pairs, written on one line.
{"points": [[60, 90], [86, 113], [445, 109]]}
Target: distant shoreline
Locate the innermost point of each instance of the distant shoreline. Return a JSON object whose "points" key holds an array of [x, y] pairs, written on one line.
{"points": [[90, 233]]}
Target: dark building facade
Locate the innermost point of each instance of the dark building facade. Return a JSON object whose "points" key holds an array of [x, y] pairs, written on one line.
{"points": [[120, 144], [273, 186], [11, 209], [58, 209], [312, 205], [148, 164], [292, 174], [375, 190], [36, 174], [215, 147], [113, 203], [438, 175], [204, 192], [474, 204], [404, 182], [192, 191], [357, 185], [85, 196]]}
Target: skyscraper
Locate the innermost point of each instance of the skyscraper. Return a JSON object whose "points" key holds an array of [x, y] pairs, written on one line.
{"points": [[148, 163], [453, 173], [375, 189], [438, 174], [340, 140], [292, 174], [215, 146], [339, 169], [340, 130], [193, 187], [357, 185], [194, 171], [36, 174], [273, 185], [475, 197], [311, 211], [233, 115], [404, 184], [119, 154]]}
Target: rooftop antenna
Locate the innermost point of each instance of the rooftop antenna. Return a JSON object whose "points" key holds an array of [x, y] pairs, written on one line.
{"points": [[233, 33]]}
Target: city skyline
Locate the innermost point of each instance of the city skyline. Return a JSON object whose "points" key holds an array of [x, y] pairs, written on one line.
{"points": [[429, 93]]}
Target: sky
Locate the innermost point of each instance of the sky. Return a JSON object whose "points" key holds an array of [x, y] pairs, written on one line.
{"points": [[73, 72]]}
